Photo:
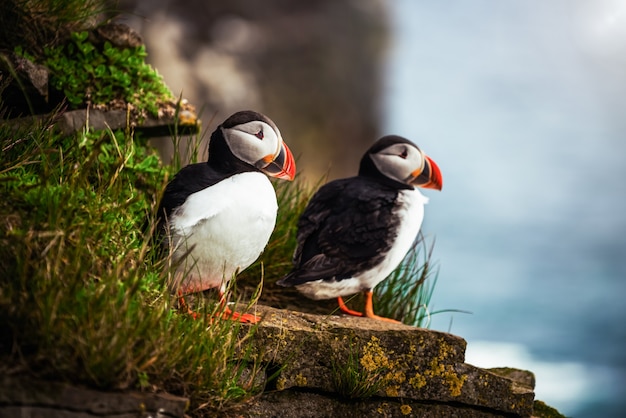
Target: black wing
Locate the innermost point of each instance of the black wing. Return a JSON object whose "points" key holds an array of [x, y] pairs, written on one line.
{"points": [[347, 227], [188, 180]]}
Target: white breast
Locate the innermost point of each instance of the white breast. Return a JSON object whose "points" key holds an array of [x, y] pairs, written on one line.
{"points": [[226, 226], [410, 211]]}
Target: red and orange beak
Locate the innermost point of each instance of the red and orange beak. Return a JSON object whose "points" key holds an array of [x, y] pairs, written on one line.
{"points": [[429, 176], [281, 165]]}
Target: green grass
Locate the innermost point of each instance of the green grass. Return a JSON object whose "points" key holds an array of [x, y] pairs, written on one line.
{"points": [[38, 24], [352, 379], [81, 292]]}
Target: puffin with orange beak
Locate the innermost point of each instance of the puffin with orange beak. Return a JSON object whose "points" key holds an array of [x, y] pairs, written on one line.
{"points": [[354, 232], [217, 217]]}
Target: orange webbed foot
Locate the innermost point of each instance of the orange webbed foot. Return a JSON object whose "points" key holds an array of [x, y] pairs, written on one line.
{"points": [[369, 309], [344, 308], [241, 317]]}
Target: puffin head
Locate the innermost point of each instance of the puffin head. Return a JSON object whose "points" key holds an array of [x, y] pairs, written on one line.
{"points": [[254, 140], [397, 160]]}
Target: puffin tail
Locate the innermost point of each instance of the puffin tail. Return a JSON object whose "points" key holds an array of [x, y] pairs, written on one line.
{"points": [[289, 280]]}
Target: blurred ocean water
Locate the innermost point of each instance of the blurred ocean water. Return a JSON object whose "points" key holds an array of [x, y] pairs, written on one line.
{"points": [[521, 104]]}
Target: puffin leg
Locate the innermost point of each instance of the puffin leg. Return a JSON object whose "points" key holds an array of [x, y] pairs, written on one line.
{"points": [[228, 313], [369, 308], [182, 304], [344, 308]]}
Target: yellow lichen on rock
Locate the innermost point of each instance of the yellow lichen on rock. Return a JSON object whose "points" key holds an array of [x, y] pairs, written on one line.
{"points": [[392, 391], [438, 369], [418, 381], [374, 357], [301, 380], [446, 372], [281, 383], [397, 376], [454, 381], [406, 409]]}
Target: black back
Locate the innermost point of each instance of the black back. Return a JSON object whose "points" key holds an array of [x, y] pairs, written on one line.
{"points": [[347, 227]]}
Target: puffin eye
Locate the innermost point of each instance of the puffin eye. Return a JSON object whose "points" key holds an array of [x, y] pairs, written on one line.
{"points": [[259, 134], [404, 154]]}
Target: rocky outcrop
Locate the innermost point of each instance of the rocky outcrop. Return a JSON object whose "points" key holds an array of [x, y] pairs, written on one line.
{"points": [[322, 366], [322, 360]]}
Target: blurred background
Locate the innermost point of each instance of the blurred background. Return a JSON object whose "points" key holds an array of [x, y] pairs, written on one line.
{"points": [[521, 103]]}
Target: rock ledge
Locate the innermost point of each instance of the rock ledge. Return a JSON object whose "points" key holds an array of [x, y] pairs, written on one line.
{"points": [[321, 366], [416, 372]]}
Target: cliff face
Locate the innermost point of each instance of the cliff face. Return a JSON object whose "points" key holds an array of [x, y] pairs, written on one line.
{"points": [[321, 366]]}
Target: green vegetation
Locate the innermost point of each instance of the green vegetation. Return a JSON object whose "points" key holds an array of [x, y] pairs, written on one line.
{"points": [[82, 295], [84, 69], [357, 376], [34, 25], [541, 410], [100, 75], [83, 299]]}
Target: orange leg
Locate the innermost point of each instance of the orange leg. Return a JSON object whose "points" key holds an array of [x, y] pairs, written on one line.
{"points": [[226, 313], [344, 308], [369, 309], [182, 303]]}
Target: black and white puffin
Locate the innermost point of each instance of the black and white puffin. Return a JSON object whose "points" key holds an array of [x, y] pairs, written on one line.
{"points": [[355, 231], [217, 216]]}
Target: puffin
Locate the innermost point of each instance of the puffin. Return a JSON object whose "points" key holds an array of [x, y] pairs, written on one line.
{"points": [[215, 218], [355, 231]]}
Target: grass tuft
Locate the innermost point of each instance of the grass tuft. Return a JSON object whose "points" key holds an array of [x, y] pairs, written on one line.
{"points": [[354, 378], [82, 295], [38, 24]]}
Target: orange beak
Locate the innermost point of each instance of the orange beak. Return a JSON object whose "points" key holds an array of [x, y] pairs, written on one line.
{"points": [[428, 177], [282, 165]]}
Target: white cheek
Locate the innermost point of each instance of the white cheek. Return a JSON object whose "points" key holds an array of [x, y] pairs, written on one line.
{"points": [[248, 147], [393, 166]]}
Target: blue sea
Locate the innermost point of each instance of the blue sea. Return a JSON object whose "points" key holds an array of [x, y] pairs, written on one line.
{"points": [[522, 104]]}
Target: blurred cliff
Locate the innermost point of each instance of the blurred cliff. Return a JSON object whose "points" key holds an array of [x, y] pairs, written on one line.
{"points": [[314, 67]]}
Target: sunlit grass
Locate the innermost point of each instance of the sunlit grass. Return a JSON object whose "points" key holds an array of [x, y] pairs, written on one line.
{"points": [[82, 295]]}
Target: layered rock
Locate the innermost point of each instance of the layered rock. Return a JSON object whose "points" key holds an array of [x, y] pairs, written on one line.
{"points": [[412, 371], [321, 366]]}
